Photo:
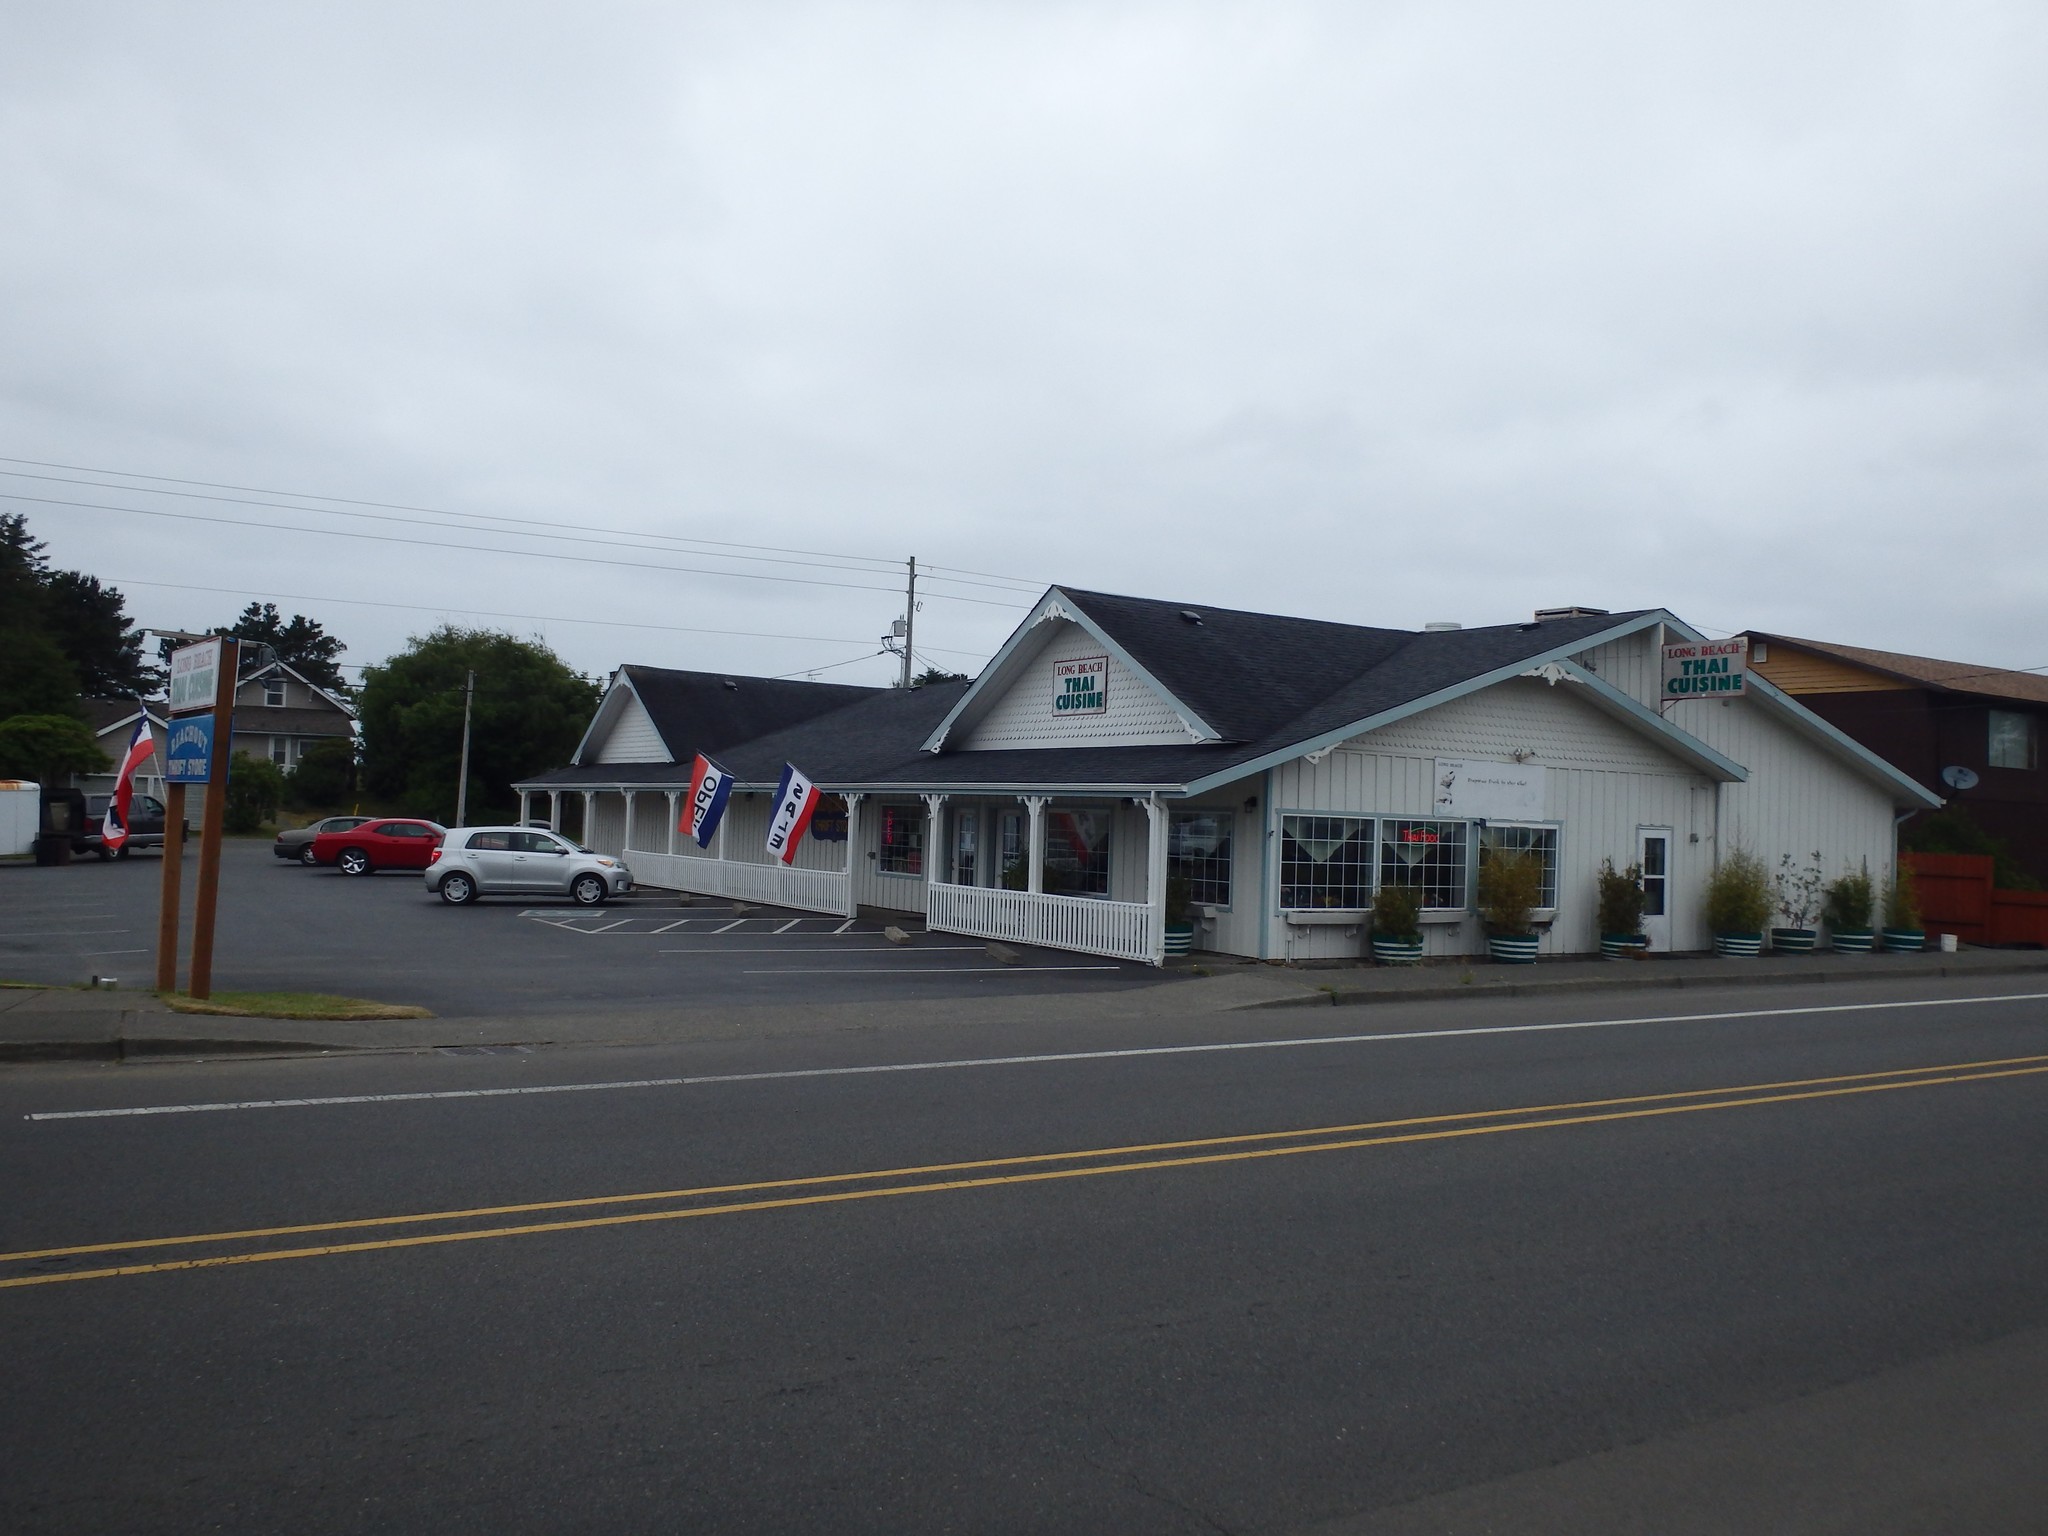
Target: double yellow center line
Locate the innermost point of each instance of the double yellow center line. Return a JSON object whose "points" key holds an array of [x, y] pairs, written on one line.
{"points": [[258, 1245]]}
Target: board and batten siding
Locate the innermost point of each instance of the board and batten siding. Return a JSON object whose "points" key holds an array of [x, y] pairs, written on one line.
{"points": [[1604, 782], [1024, 716], [632, 737]]}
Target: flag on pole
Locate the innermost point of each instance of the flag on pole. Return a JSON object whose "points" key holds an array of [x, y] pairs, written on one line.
{"points": [[141, 748], [796, 798], [710, 788]]}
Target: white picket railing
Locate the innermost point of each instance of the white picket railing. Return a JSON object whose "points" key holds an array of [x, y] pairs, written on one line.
{"points": [[1123, 930], [805, 890]]}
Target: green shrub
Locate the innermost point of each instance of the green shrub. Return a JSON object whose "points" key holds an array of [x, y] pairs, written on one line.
{"points": [[255, 791], [1397, 912], [1739, 894], [1798, 889], [1621, 898], [1849, 901], [1902, 899], [326, 775], [1510, 888]]}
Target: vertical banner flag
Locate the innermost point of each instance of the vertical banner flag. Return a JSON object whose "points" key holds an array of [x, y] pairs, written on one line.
{"points": [[141, 748], [710, 787], [795, 799]]}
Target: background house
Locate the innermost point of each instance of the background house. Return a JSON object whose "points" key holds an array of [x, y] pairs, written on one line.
{"points": [[112, 722], [1923, 716], [279, 715]]}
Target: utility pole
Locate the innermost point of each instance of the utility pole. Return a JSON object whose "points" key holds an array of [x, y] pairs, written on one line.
{"points": [[206, 899], [462, 784], [909, 621]]}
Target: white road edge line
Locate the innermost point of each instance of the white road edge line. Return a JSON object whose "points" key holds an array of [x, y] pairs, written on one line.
{"points": [[837, 949], [919, 970], [1049, 1058]]}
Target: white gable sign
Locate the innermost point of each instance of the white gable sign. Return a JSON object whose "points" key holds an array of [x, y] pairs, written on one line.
{"points": [[1703, 668], [1481, 791], [1081, 686]]}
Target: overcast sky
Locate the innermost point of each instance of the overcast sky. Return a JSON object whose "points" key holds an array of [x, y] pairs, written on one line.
{"points": [[1373, 312]]}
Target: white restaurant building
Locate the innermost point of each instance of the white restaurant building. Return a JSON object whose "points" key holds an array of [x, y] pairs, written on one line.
{"points": [[1285, 767]]}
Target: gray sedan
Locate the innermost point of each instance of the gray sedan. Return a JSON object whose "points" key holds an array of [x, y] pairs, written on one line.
{"points": [[491, 861], [296, 843]]}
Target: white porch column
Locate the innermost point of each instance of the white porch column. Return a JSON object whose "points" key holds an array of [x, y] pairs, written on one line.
{"points": [[935, 872], [554, 810], [1155, 879], [627, 841], [589, 815], [525, 796], [675, 816], [718, 837], [854, 849], [1035, 804]]}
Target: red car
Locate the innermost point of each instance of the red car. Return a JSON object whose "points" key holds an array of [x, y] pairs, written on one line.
{"points": [[389, 844]]}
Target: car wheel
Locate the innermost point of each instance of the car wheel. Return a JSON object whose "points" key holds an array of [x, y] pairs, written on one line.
{"points": [[103, 851], [307, 857], [457, 889], [354, 861], [122, 852], [587, 890]]}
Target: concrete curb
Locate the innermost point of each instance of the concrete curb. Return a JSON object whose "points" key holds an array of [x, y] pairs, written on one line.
{"points": [[1704, 980]]}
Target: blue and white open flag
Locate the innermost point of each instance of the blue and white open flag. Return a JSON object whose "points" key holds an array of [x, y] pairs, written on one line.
{"points": [[710, 788], [796, 798]]}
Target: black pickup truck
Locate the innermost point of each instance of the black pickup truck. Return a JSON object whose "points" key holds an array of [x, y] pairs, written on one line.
{"points": [[145, 826]]}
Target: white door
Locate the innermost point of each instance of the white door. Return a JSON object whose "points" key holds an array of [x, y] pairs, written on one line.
{"points": [[1653, 851]]}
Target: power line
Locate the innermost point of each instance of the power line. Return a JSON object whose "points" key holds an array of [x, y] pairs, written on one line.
{"points": [[486, 549], [828, 667], [492, 613]]}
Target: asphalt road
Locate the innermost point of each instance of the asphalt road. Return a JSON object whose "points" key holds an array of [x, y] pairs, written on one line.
{"points": [[285, 927], [1777, 1270]]}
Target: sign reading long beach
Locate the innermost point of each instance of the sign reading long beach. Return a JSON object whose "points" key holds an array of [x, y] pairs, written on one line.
{"points": [[1707, 669], [1081, 686]]}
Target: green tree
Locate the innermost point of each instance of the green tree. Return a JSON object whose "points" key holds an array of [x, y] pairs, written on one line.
{"points": [[255, 791], [61, 632], [932, 675], [301, 643], [48, 749], [90, 624], [325, 777], [531, 710]]}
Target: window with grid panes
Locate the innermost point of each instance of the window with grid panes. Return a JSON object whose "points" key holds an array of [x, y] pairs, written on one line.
{"points": [[1426, 856], [1077, 852], [2015, 741], [1326, 863], [1198, 850], [1541, 842]]}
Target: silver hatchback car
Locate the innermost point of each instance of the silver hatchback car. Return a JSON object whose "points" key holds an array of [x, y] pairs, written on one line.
{"points": [[491, 861]]}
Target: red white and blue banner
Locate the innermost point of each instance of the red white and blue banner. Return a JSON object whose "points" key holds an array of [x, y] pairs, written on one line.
{"points": [[796, 800], [141, 748], [710, 788]]}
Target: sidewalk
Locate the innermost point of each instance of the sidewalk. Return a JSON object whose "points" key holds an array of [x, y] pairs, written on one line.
{"points": [[47, 1025]]}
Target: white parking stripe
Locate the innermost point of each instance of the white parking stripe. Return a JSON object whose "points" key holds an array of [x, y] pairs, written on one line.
{"points": [[1051, 1058], [921, 970], [728, 928], [789, 925], [846, 925], [834, 949], [683, 923], [608, 927]]}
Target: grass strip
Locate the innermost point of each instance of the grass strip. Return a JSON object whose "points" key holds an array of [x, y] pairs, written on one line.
{"points": [[291, 1005]]}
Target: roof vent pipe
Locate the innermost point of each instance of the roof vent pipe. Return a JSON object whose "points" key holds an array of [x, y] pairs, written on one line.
{"points": [[1438, 626]]}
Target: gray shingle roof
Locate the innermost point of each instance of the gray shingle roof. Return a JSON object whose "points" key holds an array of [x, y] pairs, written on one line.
{"points": [[710, 711]]}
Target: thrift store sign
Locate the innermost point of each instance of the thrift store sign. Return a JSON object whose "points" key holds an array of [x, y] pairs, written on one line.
{"points": [[1706, 668], [1081, 686]]}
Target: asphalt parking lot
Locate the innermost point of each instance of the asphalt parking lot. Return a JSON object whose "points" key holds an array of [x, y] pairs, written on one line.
{"points": [[286, 927]]}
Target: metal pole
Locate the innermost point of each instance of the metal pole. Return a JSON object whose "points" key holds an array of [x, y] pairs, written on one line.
{"points": [[909, 621], [206, 896], [462, 785]]}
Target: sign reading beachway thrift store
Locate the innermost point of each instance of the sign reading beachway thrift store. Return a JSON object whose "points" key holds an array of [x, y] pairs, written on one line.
{"points": [[1081, 686], [1716, 669]]}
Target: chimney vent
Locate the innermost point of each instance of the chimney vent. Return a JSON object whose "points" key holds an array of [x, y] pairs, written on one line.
{"points": [[1440, 626], [1574, 611]]}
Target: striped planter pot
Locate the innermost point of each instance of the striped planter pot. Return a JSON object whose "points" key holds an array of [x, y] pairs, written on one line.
{"points": [[1513, 948], [1904, 941], [1851, 941], [1794, 941], [1393, 951], [1738, 946], [1624, 946], [1180, 938]]}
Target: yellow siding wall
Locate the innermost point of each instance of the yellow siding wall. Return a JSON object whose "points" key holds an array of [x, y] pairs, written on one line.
{"points": [[1800, 672]]}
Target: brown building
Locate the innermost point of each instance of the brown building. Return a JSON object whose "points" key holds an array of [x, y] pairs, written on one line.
{"points": [[1925, 716]]}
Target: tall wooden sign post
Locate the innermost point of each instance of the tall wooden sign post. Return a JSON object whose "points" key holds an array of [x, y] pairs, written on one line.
{"points": [[198, 748]]}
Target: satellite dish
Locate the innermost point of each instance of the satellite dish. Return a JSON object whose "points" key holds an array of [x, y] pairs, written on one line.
{"points": [[1959, 777]]}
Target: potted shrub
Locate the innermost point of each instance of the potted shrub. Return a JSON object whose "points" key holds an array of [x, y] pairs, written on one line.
{"points": [[1902, 931], [1846, 908], [1621, 912], [1397, 925], [1510, 886], [1797, 888], [1180, 924], [1738, 905]]}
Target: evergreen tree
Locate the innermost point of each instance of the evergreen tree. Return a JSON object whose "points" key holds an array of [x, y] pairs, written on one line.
{"points": [[301, 643]]}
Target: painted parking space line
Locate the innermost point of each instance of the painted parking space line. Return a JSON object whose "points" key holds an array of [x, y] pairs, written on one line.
{"points": [[737, 922], [684, 923], [84, 952], [66, 933], [923, 970], [832, 949], [1042, 1059], [789, 925], [846, 925], [608, 927]]}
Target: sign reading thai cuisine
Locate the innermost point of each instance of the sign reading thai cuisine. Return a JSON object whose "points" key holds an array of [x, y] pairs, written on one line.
{"points": [[710, 788], [1475, 790], [1707, 669], [1081, 686], [796, 800], [195, 671]]}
